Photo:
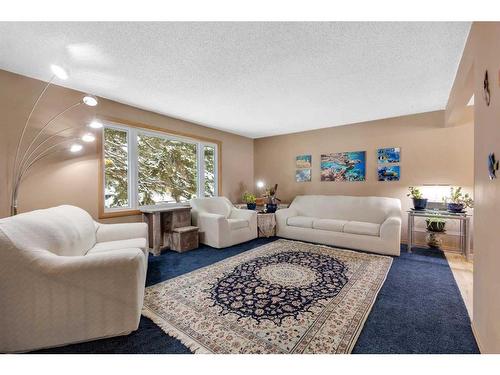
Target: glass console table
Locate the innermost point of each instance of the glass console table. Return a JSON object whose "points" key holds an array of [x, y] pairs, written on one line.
{"points": [[463, 218]]}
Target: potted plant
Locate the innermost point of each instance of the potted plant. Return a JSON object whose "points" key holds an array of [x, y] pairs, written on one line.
{"points": [[250, 200], [272, 200], [458, 201], [434, 224], [419, 202]]}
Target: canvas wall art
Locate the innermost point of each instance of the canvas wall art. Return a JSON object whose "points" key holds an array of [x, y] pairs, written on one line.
{"points": [[343, 166], [388, 173], [303, 175], [303, 161], [388, 155]]}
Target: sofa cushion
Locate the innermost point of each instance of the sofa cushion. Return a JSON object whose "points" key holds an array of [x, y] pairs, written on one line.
{"points": [[238, 223], [300, 221], [101, 247], [329, 224], [360, 227]]}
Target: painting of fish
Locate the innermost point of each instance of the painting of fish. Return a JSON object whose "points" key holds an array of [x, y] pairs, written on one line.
{"points": [[388, 173], [343, 166], [303, 161], [388, 155], [303, 175]]}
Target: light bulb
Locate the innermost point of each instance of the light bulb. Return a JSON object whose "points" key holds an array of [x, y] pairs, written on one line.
{"points": [[90, 100], [76, 147], [89, 137], [59, 72], [96, 124], [260, 184]]}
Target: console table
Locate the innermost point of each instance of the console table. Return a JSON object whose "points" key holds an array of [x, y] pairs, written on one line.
{"points": [[161, 223], [463, 218]]}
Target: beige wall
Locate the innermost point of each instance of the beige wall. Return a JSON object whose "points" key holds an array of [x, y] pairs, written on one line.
{"points": [[430, 154], [484, 42], [66, 179]]}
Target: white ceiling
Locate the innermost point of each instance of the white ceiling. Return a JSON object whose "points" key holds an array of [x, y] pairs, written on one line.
{"points": [[253, 79]]}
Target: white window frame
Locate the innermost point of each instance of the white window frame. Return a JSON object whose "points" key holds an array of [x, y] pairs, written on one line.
{"points": [[133, 173]]}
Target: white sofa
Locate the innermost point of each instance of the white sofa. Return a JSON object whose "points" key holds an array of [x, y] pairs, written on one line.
{"points": [[65, 278], [364, 223], [221, 224]]}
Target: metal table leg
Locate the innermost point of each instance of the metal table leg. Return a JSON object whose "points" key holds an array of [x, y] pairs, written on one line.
{"points": [[410, 232]]}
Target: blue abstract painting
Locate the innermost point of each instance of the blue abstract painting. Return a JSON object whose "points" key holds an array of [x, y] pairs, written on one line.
{"points": [[388, 155]]}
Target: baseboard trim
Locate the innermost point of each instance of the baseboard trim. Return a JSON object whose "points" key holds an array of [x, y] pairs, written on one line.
{"points": [[476, 336]]}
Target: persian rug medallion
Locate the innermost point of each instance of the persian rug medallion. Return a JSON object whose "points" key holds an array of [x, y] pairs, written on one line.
{"points": [[283, 297]]}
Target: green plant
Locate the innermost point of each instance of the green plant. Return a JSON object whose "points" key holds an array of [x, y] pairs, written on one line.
{"points": [[414, 193], [456, 196], [435, 224], [248, 197]]}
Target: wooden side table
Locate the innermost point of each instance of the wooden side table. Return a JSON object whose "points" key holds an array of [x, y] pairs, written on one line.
{"points": [[162, 221], [266, 225]]}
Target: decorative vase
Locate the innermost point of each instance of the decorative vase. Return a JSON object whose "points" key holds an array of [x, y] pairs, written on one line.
{"points": [[271, 208], [434, 240], [419, 203], [456, 207], [435, 226], [251, 206]]}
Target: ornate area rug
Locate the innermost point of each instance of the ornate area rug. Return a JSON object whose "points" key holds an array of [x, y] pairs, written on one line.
{"points": [[283, 297]]}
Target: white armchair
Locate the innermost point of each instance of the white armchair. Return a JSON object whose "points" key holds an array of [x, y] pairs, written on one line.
{"points": [[221, 224], [65, 278]]}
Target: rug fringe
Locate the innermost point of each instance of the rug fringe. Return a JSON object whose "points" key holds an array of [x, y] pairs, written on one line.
{"points": [[190, 343]]}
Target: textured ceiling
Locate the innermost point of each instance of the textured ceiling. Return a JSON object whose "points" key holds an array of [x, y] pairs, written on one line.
{"points": [[253, 79]]}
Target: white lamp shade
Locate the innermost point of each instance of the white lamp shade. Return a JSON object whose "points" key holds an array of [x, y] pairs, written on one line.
{"points": [[90, 100], [96, 124], [89, 137], [59, 72], [76, 147]]}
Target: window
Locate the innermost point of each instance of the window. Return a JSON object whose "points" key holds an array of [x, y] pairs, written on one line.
{"points": [[143, 168]]}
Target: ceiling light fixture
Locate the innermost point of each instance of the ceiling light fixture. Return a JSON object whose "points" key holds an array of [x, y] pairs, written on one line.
{"points": [[59, 72], [89, 137], [96, 124], [76, 147], [90, 100]]}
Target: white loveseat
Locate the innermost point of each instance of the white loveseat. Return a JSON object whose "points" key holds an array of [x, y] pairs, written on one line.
{"points": [[221, 224], [65, 278], [365, 223]]}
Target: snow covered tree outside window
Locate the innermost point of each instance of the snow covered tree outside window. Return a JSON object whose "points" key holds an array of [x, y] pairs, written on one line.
{"points": [[116, 168], [143, 167], [167, 170], [209, 157]]}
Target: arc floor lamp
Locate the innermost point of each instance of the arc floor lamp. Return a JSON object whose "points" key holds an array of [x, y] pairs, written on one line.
{"points": [[43, 144]]}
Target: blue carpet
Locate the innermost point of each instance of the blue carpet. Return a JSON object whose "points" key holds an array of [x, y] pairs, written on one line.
{"points": [[418, 310]]}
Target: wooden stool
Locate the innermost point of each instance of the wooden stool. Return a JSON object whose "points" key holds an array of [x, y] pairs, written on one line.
{"points": [[184, 239]]}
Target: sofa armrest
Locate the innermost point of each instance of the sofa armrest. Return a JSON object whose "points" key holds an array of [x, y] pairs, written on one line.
{"points": [[283, 215], [249, 215], [237, 213], [213, 228], [391, 228], [125, 231]]}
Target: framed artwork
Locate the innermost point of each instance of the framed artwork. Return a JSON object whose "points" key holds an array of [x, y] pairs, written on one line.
{"points": [[388, 155], [303, 175], [343, 166], [303, 161], [389, 173]]}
